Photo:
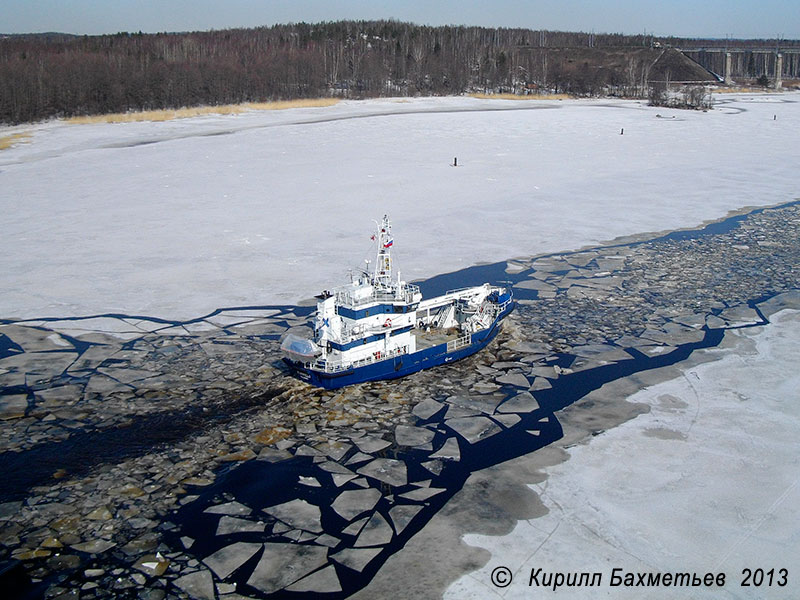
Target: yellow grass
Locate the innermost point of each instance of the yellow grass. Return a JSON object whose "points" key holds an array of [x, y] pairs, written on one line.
{"points": [[283, 104], [520, 97], [198, 111], [13, 139], [155, 115]]}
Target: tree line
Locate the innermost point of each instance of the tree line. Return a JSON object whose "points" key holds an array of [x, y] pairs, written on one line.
{"points": [[56, 75]]}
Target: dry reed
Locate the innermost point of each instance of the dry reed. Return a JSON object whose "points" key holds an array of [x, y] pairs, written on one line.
{"points": [[198, 111], [7, 141]]}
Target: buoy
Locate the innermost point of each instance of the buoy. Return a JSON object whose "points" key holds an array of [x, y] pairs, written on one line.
{"points": [[387, 323]]}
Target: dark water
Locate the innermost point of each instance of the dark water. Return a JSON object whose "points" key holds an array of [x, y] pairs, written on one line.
{"points": [[496, 275], [259, 484], [8, 347], [84, 450]]}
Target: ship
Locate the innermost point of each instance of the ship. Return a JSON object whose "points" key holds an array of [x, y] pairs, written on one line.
{"points": [[379, 327]]}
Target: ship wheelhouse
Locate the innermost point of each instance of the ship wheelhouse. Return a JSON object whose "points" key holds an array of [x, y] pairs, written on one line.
{"points": [[370, 318]]}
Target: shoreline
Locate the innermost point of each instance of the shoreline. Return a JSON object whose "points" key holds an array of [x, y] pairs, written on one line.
{"points": [[204, 110]]}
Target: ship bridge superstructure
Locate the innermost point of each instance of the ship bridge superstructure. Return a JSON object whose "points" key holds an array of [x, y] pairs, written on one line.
{"points": [[371, 317]]}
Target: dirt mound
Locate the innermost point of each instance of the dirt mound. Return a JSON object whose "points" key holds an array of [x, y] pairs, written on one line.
{"points": [[674, 66]]}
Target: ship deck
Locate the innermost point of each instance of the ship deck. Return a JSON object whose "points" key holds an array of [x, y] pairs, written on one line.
{"points": [[427, 339]]}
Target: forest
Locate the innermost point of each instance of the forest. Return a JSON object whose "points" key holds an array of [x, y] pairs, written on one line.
{"points": [[59, 75]]}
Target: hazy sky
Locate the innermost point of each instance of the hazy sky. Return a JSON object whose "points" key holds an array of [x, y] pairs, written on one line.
{"points": [[695, 18]]}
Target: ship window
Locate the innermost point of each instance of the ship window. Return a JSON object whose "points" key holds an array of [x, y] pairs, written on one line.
{"points": [[399, 309], [366, 313]]}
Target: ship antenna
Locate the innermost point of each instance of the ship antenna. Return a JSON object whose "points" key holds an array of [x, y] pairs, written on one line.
{"points": [[383, 263]]}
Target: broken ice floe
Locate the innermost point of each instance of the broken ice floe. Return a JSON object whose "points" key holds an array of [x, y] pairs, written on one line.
{"points": [[387, 470], [406, 435], [473, 429], [297, 513], [226, 560], [352, 503], [283, 564], [404, 449], [376, 532]]}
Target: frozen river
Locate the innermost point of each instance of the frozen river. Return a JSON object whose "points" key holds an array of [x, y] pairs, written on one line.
{"points": [[673, 458], [176, 219]]}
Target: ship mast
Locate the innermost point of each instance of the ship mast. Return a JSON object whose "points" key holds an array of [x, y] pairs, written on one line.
{"points": [[383, 262]]}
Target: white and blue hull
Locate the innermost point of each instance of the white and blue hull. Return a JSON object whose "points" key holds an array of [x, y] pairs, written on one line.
{"points": [[401, 365], [379, 327]]}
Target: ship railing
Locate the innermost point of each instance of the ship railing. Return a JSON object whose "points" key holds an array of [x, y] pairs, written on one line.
{"points": [[463, 289], [354, 332], [504, 305], [497, 309], [405, 294], [328, 366], [461, 341]]}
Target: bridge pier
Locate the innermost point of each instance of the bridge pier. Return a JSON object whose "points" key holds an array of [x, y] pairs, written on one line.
{"points": [[728, 69], [733, 64]]}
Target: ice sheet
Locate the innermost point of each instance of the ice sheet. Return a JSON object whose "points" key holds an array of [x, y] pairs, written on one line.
{"points": [[705, 482], [175, 219]]}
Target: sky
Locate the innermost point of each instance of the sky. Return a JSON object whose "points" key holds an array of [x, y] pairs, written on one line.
{"points": [[682, 18]]}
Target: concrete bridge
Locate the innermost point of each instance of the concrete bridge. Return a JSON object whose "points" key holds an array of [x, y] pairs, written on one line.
{"points": [[732, 64]]}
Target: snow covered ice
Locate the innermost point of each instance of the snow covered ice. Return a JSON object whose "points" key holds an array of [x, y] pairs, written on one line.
{"points": [[176, 219], [705, 482]]}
